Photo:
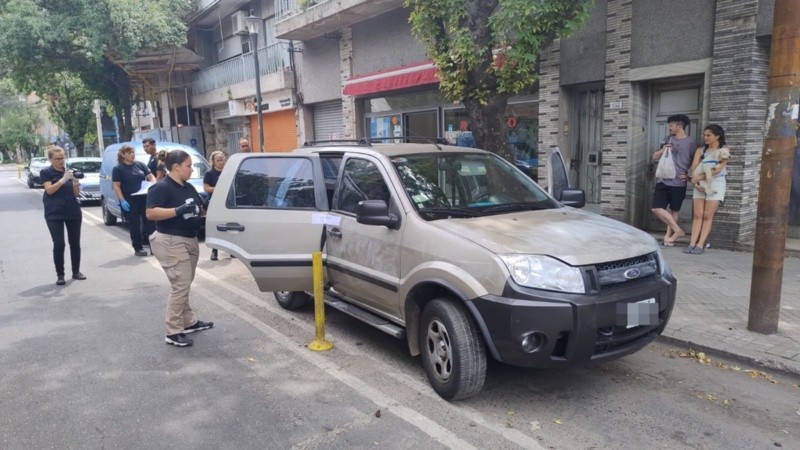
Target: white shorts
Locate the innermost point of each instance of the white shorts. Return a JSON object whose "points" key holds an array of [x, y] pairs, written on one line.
{"points": [[719, 185]]}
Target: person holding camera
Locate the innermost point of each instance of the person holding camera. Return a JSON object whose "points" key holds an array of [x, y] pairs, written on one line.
{"points": [[63, 210], [175, 206], [126, 179]]}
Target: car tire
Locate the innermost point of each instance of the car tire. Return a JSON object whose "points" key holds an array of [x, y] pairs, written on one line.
{"points": [[453, 350], [292, 300], [108, 218], [30, 183]]}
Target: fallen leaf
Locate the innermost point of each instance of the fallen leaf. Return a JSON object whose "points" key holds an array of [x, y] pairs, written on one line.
{"points": [[558, 421], [511, 413], [509, 425], [710, 397], [251, 360], [535, 425]]}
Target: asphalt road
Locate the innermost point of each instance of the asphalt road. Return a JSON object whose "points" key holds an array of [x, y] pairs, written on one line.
{"points": [[86, 366]]}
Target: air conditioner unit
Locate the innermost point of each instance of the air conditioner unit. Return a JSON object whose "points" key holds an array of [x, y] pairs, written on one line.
{"points": [[239, 23]]}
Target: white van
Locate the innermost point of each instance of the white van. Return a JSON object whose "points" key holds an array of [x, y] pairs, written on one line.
{"points": [[108, 199]]}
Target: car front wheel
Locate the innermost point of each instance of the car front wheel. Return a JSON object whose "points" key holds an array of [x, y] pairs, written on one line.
{"points": [[30, 182], [108, 218], [292, 299], [453, 351]]}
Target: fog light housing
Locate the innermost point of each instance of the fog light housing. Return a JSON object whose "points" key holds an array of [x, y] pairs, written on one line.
{"points": [[532, 342]]}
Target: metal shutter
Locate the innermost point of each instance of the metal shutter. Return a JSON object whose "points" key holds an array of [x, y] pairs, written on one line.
{"points": [[328, 121]]}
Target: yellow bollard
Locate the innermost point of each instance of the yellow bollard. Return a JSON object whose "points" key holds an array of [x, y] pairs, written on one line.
{"points": [[319, 344]]}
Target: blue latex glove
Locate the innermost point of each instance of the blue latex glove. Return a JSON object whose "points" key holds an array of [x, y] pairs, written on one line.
{"points": [[125, 205]]}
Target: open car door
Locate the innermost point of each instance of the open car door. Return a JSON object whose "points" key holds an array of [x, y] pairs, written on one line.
{"points": [[269, 211]]}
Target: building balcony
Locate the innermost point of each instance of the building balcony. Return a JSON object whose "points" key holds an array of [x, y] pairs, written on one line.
{"points": [[235, 78], [302, 20]]}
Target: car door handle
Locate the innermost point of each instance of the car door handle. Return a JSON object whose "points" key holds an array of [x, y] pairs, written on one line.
{"points": [[230, 227], [335, 233]]}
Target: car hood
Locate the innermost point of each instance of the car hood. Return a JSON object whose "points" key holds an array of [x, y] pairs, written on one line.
{"points": [[573, 236]]}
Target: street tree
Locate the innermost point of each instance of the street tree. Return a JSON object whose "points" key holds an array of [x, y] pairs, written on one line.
{"points": [[88, 38], [69, 102], [487, 51], [18, 131]]}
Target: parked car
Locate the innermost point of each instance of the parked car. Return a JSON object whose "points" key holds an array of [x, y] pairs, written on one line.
{"points": [[109, 202], [36, 166], [453, 249], [89, 166]]}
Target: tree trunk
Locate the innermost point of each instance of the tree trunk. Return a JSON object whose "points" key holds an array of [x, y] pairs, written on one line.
{"points": [[488, 127], [123, 104]]}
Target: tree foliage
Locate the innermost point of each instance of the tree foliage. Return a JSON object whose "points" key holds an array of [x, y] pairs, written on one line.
{"points": [[69, 102], [487, 51], [43, 39], [17, 123]]}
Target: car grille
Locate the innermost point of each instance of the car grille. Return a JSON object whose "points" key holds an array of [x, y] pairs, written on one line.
{"points": [[626, 270], [90, 188]]}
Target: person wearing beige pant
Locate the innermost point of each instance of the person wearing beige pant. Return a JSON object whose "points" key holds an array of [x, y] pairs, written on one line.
{"points": [[176, 208]]}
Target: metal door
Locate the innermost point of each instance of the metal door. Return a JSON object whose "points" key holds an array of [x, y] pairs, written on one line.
{"points": [[668, 99], [586, 162]]}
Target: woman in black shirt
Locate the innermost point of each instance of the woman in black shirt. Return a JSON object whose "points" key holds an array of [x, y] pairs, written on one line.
{"points": [[210, 182], [175, 206], [62, 209], [126, 178]]}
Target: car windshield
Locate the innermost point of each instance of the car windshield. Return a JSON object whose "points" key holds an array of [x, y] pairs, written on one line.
{"points": [[443, 185], [85, 166]]}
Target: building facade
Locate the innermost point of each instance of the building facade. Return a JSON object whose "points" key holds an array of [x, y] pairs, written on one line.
{"points": [[350, 69]]}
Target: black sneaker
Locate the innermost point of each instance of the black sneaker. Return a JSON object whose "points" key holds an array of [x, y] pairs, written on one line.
{"points": [[199, 326], [78, 276], [214, 255], [60, 281], [140, 252], [178, 340]]}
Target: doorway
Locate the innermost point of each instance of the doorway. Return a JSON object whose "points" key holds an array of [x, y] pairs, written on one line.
{"points": [[586, 162], [422, 123], [684, 97]]}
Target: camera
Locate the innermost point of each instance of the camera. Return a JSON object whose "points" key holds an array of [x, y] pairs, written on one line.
{"points": [[77, 174]]}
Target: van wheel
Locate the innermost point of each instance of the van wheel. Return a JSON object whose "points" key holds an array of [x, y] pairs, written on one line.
{"points": [[108, 218], [292, 299], [453, 351]]}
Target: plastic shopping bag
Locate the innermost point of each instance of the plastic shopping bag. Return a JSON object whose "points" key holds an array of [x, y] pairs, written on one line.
{"points": [[666, 166]]}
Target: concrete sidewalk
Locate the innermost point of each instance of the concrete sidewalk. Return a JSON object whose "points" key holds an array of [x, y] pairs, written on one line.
{"points": [[712, 306]]}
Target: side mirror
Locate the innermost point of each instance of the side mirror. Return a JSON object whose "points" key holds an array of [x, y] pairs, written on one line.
{"points": [[376, 212], [575, 198]]}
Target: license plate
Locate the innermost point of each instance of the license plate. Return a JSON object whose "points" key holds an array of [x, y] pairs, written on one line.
{"points": [[641, 313]]}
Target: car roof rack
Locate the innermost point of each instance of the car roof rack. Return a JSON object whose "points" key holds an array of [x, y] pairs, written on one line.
{"points": [[362, 142], [437, 141]]}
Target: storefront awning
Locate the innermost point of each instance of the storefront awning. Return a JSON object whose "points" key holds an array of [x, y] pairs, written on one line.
{"points": [[417, 74]]}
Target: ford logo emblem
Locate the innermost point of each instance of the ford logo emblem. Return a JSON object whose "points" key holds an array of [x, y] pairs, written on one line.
{"points": [[632, 273]]}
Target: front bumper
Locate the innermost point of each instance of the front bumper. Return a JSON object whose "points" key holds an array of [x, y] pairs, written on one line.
{"points": [[572, 329]]}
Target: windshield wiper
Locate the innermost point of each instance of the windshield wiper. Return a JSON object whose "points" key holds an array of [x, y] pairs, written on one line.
{"points": [[457, 212], [517, 206]]}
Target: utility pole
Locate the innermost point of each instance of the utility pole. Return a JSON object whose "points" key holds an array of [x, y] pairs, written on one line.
{"points": [[780, 141]]}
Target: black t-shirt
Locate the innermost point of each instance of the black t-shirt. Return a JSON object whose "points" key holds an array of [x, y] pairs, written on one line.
{"points": [[169, 194], [211, 177], [130, 177], [152, 165], [61, 205]]}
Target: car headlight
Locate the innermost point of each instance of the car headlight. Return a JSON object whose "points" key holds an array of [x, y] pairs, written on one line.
{"points": [[544, 272], [663, 267]]}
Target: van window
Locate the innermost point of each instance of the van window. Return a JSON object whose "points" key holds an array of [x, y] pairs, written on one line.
{"points": [[284, 183]]}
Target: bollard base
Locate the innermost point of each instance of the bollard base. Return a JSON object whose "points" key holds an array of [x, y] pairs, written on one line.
{"points": [[320, 345]]}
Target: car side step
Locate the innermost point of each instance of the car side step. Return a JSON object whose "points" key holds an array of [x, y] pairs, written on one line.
{"points": [[366, 317]]}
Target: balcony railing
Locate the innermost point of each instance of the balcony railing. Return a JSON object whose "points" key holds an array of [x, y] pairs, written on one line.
{"points": [[287, 8], [271, 59]]}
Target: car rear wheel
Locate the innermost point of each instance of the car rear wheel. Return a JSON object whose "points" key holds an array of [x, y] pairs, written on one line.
{"points": [[30, 182], [292, 299], [108, 218], [453, 351]]}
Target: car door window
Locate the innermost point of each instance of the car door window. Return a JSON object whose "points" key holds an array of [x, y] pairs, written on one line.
{"points": [[361, 180], [285, 183]]}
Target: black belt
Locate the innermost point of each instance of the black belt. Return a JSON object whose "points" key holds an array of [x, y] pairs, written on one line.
{"points": [[177, 232]]}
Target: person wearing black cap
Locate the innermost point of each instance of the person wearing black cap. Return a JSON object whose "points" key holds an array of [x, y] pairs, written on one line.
{"points": [[175, 206]]}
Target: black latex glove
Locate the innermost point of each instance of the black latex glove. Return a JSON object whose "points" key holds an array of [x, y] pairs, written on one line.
{"points": [[186, 208]]}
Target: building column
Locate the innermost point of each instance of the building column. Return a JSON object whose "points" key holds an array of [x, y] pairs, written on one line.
{"points": [[209, 132], [616, 133], [349, 115], [549, 111], [738, 103]]}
